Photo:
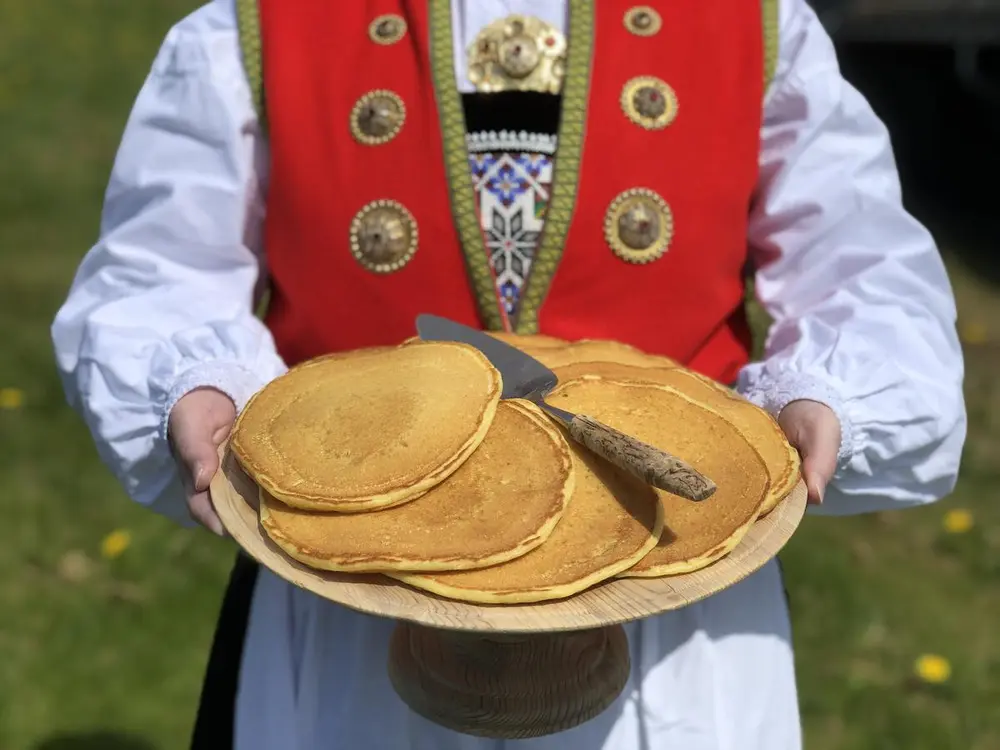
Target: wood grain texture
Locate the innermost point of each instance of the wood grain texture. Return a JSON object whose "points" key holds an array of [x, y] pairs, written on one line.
{"points": [[650, 464], [508, 687], [613, 602]]}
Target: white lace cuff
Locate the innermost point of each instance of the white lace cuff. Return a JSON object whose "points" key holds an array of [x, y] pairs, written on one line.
{"points": [[233, 379], [774, 394]]}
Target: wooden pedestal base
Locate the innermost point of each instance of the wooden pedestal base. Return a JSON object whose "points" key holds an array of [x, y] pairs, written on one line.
{"points": [[508, 686]]}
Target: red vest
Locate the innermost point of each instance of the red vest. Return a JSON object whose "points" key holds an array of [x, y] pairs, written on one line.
{"points": [[318, 60]]}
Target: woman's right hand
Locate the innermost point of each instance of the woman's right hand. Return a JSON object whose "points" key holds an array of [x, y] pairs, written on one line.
{"points": [[198, 424]]}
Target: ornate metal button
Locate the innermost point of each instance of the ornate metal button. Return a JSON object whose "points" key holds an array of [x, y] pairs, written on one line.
{"points": [[377, 117], [517, 53], [383, 236], [643, 20], [638, 226], [387, 29], [649, 102], [519, 56]]}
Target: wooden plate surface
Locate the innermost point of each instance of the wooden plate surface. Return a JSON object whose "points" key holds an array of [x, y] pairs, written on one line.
{"points": [[612, 602]]}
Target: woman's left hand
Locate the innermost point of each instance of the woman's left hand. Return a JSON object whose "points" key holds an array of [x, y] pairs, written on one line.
{"points": [[814, 430]]}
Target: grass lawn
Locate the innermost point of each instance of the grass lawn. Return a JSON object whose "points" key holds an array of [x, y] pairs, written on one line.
{"points": [[102, 652]]}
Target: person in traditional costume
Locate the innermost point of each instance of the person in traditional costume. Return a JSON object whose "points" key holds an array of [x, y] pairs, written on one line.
{"points": [[575, 168]]}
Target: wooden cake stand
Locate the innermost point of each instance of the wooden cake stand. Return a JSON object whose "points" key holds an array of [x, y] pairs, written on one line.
{"points": [[505, 671]]}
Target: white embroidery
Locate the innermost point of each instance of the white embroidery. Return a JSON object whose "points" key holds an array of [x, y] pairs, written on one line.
{"points": [[509, 141], [513, 193], [231, 377], [773, 395]]}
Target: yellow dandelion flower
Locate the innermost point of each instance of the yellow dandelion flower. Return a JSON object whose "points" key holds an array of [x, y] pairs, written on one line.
{"points": [[933, 669], [11, 398], [115, 543], [973, 332], [957, 521]]}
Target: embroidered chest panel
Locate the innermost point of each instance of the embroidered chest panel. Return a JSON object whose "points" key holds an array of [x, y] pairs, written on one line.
{"points": [[511, 139]]}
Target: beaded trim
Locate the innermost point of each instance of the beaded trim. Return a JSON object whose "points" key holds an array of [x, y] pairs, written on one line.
{"points": [[509, 141]]}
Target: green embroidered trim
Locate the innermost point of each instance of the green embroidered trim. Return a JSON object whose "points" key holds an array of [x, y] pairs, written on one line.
{"points": [[248, 23], [576, 88], [566, 165], [769, 11], [456, 157], [263, 304]]}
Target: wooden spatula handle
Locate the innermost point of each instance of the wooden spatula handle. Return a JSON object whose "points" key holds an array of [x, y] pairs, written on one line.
{"points": [[650, 464]]}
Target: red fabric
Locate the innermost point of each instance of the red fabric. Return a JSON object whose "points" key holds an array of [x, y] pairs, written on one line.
{"points": [[687, 304], [318, 60]]}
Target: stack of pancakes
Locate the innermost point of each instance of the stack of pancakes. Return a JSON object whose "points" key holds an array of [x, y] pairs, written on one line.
{"points": [[404, 461]]}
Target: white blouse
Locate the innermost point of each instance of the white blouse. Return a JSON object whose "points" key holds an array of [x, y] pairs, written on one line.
{"points": [[163, 302]]}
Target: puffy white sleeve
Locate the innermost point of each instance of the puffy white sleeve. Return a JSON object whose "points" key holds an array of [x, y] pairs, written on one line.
{"points": [[864, 317], [163, 302]]}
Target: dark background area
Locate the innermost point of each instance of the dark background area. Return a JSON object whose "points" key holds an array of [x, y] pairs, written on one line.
{"points": [[945, 130]]}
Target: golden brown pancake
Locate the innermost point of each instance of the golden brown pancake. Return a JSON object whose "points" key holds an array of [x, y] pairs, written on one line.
{"points": [[600, 345], [759, 427], [600, 351], [695, 534], [367, 430], [764, 434], [500, 504], [611, 522], [610, 371], [343, 355], [524, 342], [528, 342]]}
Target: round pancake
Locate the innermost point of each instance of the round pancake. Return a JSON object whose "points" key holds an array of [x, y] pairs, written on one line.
{"points": [[757, 426], [528, 342], [343, 355], [610, 371], [695, 534], [367, 430], [589, 350], [612, 521], [504, 501]]}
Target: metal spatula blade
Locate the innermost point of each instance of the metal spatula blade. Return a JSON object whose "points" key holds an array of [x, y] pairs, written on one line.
{"points": [[525, 377]]}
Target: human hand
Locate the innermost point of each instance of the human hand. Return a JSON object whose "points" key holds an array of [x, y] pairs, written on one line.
{"points": [[814, 430], [197, 425]]}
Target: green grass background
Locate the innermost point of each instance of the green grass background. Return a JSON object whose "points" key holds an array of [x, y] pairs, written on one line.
{"points": [[102, 654]]}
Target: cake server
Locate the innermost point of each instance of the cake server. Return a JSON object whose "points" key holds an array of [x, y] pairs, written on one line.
{"points": [[525, 377]]}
